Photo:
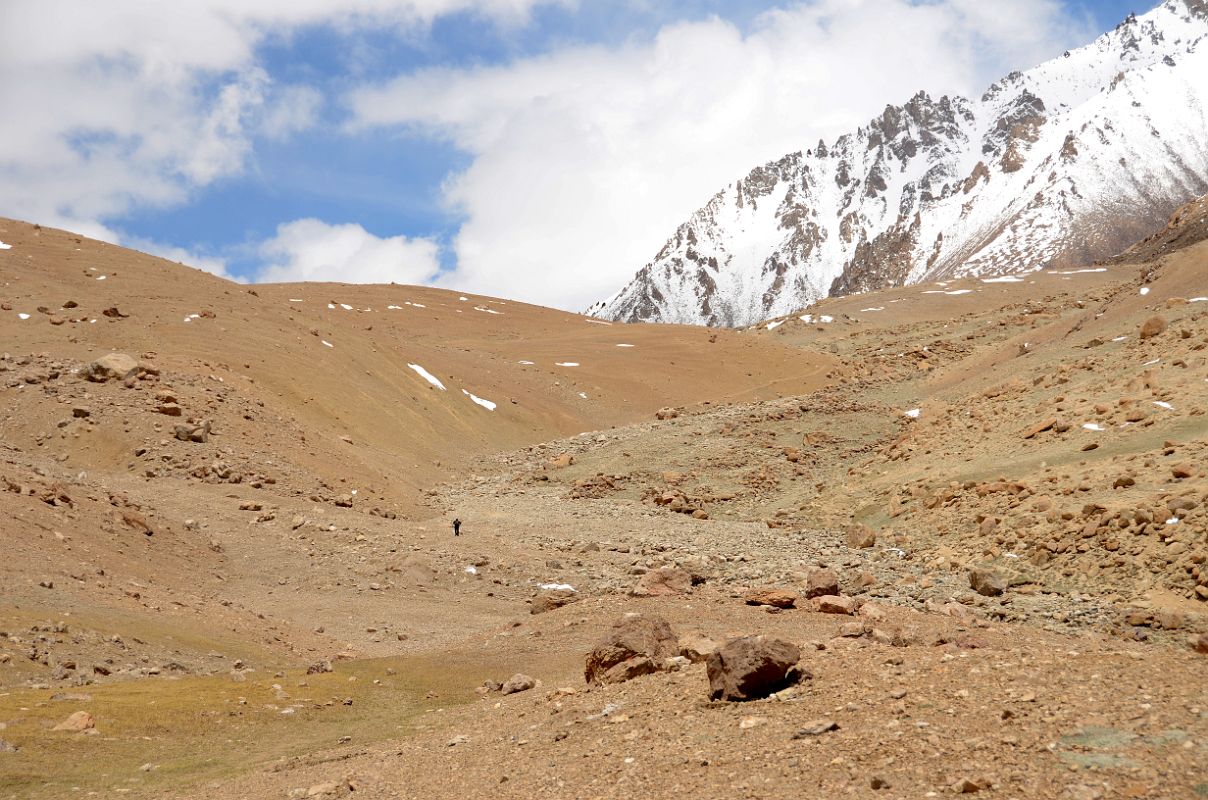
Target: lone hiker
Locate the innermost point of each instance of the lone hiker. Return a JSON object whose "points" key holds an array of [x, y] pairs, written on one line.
{"points": [[456, 527]]}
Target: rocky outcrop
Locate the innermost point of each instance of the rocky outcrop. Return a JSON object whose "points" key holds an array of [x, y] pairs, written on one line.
{"points": [[551, 599], [1187, 226]]}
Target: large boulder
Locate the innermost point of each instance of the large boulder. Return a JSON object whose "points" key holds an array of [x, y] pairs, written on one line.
{"points": [[116, 366], [1153, 326], [663, 582], [821, 582], [753, 667], [987, 582], [636, 645], [860, 537], [770, 596]]}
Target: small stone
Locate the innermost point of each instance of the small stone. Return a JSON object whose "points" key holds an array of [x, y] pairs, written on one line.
{"points": [[969, 785], [117, 366], [816, 727], [78, 722], [192, 433], [1039, 428], [834, 604], [663, 582], [696, 648], [518, 683], [70, 697], [551, 599], [329, 789], [561, 462]]}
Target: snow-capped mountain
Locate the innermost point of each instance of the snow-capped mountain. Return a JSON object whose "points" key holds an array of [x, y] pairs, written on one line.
{"points": [[1064, 164]]}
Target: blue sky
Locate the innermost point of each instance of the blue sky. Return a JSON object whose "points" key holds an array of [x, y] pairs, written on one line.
{"points": [[443, 134], [388, 182]]}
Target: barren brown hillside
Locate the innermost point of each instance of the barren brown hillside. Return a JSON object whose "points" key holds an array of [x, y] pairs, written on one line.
{"points": [[976, 509]]}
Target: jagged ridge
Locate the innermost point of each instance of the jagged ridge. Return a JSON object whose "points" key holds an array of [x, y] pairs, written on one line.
{"points": [[1067, 163]]}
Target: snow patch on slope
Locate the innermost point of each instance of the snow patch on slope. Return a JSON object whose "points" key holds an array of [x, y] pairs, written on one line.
{"points": [[428, 376]]}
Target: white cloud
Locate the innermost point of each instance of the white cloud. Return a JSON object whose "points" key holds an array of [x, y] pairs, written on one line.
{"points": [[295, 108], [125, 103], [313, 250], [585, 160]]}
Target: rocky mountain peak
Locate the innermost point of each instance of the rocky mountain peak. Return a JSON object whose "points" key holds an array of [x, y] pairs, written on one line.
{"points": [[1065, 163]]}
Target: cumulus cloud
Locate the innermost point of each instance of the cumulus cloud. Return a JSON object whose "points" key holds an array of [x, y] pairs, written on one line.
{"points": [[313, 250], [585, 159], [126, 103]]}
